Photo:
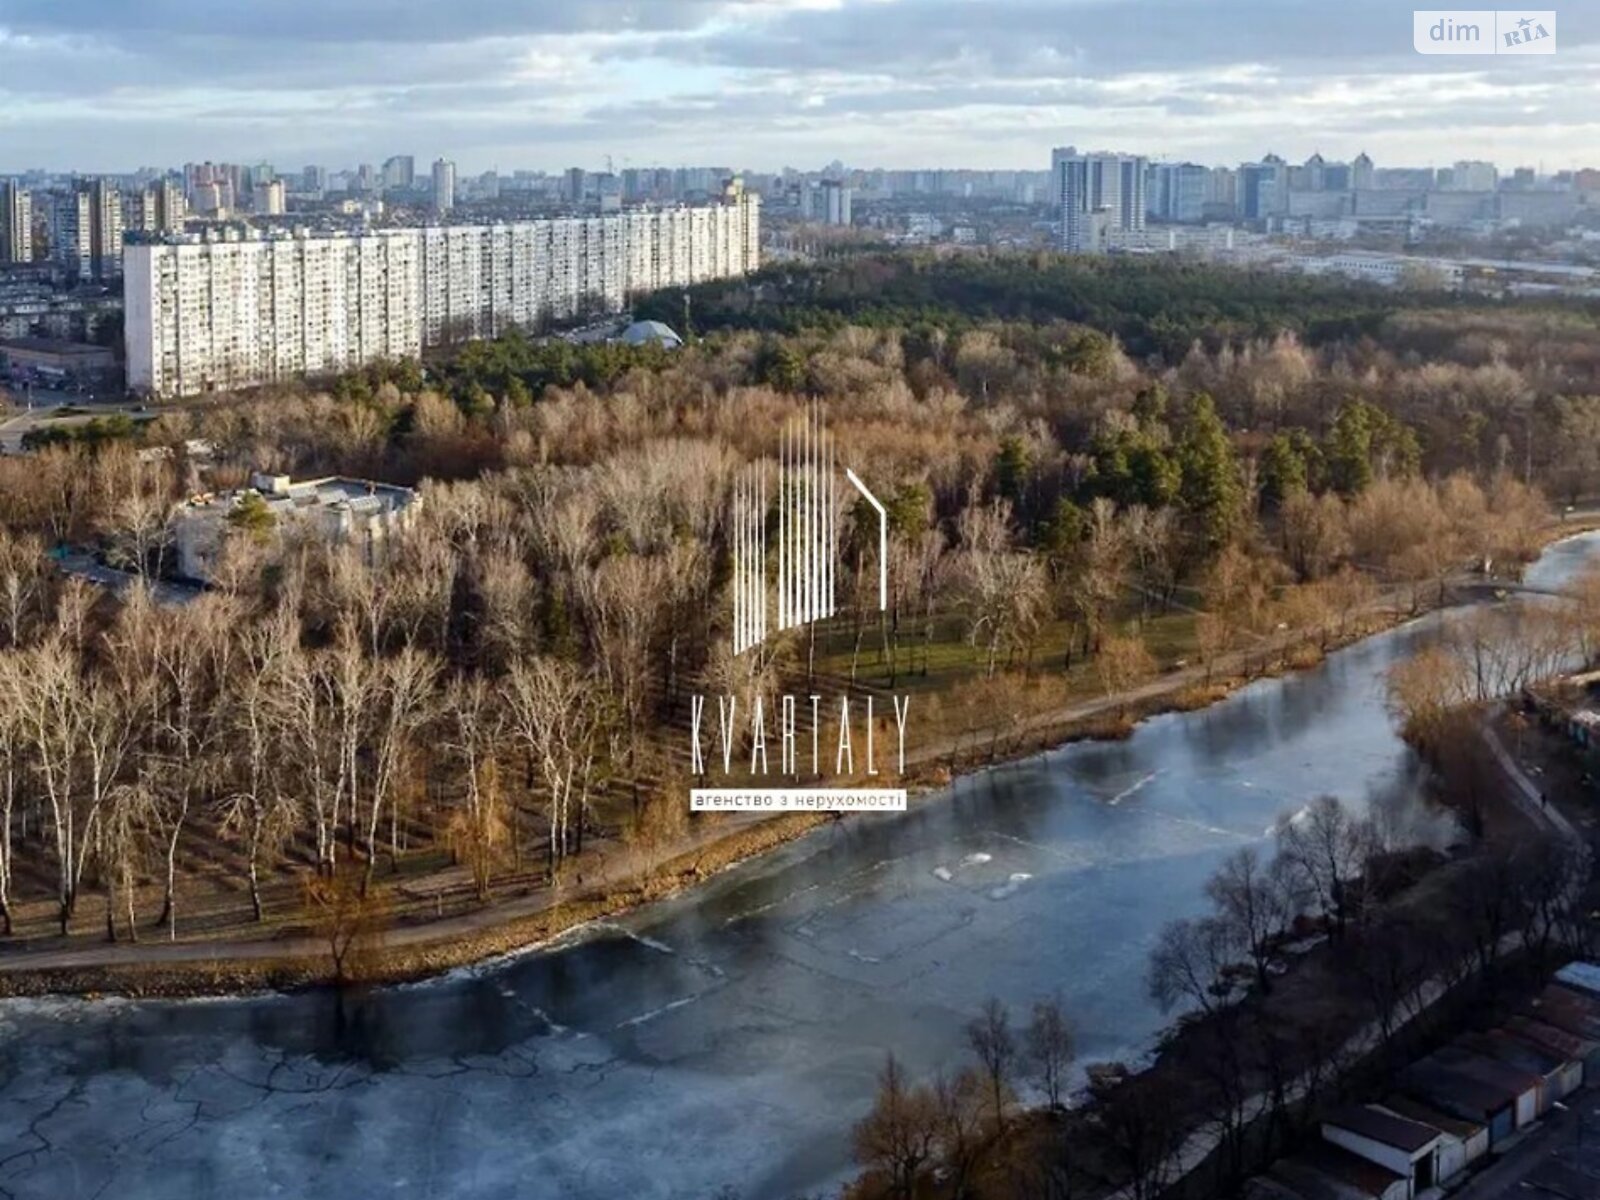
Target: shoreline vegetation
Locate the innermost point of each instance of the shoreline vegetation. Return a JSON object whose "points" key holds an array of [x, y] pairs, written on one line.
{"points": [[196, 968], [1345, 948]]}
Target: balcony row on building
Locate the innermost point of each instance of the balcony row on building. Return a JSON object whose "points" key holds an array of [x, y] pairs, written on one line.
{"points": [[1456, 1108], [211, 314]]}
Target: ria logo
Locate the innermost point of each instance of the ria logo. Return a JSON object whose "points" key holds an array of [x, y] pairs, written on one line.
{"points": [[807, 535], [1483, 31]]}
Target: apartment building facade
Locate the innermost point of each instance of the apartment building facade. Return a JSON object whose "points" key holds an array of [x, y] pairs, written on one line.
{"points": [[1097, 194], [210, 315], [16, 224], [213, 315]]}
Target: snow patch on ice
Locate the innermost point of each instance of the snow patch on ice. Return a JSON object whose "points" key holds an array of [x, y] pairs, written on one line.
{"points": [[1010, 886]]}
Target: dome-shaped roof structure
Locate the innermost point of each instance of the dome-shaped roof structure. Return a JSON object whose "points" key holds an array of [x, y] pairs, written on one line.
{"points": [[642, 333]]}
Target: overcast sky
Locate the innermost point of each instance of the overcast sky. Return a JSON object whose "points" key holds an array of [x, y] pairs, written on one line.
{"points": [[117, 84]]}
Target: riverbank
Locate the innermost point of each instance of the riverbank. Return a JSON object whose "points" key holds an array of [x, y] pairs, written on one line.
{"points": [[196, 968], [411, 952]]}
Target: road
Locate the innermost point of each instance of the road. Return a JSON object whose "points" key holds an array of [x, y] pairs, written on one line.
{"points": [[46, 406]]}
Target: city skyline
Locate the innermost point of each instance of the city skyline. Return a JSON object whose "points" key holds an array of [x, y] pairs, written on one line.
{"points": [[908, 84]]}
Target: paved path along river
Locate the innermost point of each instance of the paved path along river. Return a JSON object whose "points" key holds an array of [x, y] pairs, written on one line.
{"points": [[725, 1038]]}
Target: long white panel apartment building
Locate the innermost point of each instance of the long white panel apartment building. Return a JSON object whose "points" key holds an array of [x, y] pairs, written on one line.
{"points": [[206, 316], [210, 315]]}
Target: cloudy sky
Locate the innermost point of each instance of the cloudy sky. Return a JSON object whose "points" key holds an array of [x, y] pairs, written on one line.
{"points": [[117, 84]]}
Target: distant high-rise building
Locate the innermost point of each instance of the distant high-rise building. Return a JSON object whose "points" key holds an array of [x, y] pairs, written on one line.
{"points": [[314, 180], [1263, 188], [270, 200], [106, 233], [1222, 189], [70, 224], [444, 185], [831, 203], [573, 190], [159, 208], [1337, 177], [1177, 191], [1361, 173], [400, 173], [213, 188], [16, 224], [1097, 193], [210, 199], [366, 179], [1473, 177]]}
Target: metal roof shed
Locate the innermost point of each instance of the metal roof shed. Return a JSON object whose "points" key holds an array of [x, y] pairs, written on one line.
{"points": [[1523, 1086], [1555, 1040], [1584, 976], [1461, 1143], [1462, 1096], [1561, 1073], [1406, 1147]]}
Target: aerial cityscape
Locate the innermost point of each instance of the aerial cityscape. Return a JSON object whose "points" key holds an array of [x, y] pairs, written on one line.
{"points": [[801, 600]]}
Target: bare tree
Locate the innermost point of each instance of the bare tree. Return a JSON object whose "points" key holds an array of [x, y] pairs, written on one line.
{"points": [[124, 836], [22, 585], [476, 724], [52, 709], [1326, 850], [556, 715], [959, 1103], [1254, 900], [989, 1034], [1050, 1048], [1189, 964], [898, 1136], [1139, 1124], [261, 812], [178, 662], [1123, 664], [403, 696], [13, 733]]}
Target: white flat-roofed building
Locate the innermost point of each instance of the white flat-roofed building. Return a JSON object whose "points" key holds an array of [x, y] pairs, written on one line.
{"points": [[352, 512]]}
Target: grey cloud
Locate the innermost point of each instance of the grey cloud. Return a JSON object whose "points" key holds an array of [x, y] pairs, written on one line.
{"points": [[1092, 37], [426, 21], [346, 78]]}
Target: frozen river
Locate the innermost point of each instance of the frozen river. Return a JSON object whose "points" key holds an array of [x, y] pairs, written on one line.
{"points": [[723, 1040]]}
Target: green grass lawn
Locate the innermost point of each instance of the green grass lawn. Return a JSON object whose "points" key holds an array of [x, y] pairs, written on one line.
{"points": [[1170, 637]]}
